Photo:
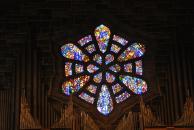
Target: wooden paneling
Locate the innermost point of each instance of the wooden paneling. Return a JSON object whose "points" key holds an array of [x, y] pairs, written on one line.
{"points": [[155, 129], [5, 109], [169, 128]]}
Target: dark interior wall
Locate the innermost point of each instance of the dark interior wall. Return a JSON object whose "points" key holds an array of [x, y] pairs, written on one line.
{"points": [[29, 30]]}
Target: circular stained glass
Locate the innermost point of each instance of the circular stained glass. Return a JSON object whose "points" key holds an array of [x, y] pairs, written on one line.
{"points": [[104, 71]]}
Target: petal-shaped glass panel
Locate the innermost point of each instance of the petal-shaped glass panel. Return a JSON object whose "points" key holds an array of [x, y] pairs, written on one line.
{"points": [[115, 68], [85, 40], [97, 58], [97, 78], [120, 40], [92, 68], [102, 34], [122, 97], [68, 69], [134, 51], [87, 97], [73, 85], [110, 78], [136, 85], [139, 69], [104, 103], [79, 68], [92, 88], [109, 58], [70, 51]]}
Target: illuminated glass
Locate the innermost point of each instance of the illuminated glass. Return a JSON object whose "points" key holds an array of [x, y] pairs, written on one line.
{"points": [[73, 85], [92, 68], [102, 34], [109, 58], [120, 40], [109, 77], [136, 85], [128, 67], [103, 66], [85, 40], [97, 58], [104, 103], [139, 69], [114, 48], [92, 89], [115, 68], [132, 52], [122, 97], [79, 68], [116, 88], [68, 69], [91, 48], [97, 78], [70, 51], [87, 97]]}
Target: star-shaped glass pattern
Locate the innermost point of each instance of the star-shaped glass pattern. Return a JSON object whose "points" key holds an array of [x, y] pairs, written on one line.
{"points": [[103, 71]]}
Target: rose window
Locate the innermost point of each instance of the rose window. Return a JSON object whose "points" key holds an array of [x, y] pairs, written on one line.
{"points": [[105, 69]]}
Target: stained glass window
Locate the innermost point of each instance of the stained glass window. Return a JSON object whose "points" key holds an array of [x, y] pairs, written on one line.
{"points": [[109, 58], [115, 68], [115, 48], [136, 85], [139, 69], [78, 68], [97, 78], [73, 85], [85, 40], [87, 97], [120, 40], [97, 58], [92, 89], [105, 103], [122, 97], [128, 67], [116, 88], [92, 68], [91, 48], [102, 34], [68, 70], [110, 78], [104, 69]]}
